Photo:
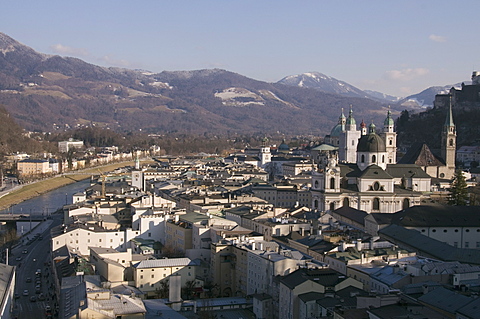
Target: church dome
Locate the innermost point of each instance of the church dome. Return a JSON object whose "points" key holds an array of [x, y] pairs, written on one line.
{"points": [[337, 130], [283, 147], [371, 143]]}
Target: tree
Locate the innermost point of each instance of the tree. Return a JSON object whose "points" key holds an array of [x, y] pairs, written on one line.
{"points": [[458, 191]]}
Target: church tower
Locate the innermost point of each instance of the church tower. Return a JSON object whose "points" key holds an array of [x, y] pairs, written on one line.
{"points": [[390, 137], [449, 139], [265, 155], [349, 140]]}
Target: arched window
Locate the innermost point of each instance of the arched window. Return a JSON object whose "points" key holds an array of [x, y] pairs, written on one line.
{"points": [[391, 142], [332, 183], [332, 206], [406, 203], [383, 158], [363, 158], [346, 202], [315, 204], [374, 158], [353, 142], [316, 184], [451, 142], [376, 204]]}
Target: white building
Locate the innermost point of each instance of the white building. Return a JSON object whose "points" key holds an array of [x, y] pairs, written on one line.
{"points": [[64, 146]]}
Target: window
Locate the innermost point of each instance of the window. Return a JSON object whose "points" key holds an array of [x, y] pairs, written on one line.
{"points": [[332, 183], [332, 206], [376, 186], [383, 158], [363, 159], [467, 244], [141, 276], [374, 158], [391, 142], [376, 204], [153, 276], [346, 202], [406, 203]]}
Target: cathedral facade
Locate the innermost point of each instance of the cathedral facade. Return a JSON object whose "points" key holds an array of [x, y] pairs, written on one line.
{"points": [[364, 173]]}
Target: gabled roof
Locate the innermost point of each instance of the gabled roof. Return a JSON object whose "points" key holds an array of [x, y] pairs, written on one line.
{"points": [[421, 155], [445, 300], [352, 214], [438, 216], [406, 170], [375, 172]]}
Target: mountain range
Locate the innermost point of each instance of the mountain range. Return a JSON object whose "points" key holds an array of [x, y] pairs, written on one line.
{"points": [[50, 92]]}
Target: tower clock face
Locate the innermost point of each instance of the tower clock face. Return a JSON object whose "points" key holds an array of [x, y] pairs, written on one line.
{"points": [[332, 173]]}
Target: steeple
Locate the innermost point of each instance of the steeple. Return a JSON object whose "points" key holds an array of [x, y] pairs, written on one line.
{"points": [[363, 128], [388, 124], [342, 120], [372, 128], [449, 139], [350, 123]]}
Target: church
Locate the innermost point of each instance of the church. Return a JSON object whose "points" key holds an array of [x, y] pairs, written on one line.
{"points": [[364, 174]]}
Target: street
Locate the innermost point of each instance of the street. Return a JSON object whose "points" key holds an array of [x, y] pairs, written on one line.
{"points": [[29, 258]]}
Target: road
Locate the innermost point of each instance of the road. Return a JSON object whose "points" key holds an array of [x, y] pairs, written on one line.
{"points": [[35, 255]]}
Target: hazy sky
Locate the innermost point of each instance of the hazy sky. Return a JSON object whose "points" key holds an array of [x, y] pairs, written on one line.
{"points": [[395, 47]]}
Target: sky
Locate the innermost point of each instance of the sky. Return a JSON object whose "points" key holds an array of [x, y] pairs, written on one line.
{"points": [[394, 47]]}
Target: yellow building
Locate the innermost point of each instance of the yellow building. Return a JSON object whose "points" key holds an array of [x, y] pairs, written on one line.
{"points": [[33, 167]]}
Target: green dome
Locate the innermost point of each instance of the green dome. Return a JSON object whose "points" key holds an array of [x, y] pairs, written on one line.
{"points": [[337, 130], [389, 121]]}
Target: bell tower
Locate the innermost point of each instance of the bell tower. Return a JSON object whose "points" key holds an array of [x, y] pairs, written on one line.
{"points": [[449, 139]]}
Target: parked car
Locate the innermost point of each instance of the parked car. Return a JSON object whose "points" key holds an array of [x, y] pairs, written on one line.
{"points": [[18, 258], [25, 292], [33, 298], [24, 251], [28, 279], [41, 296]]}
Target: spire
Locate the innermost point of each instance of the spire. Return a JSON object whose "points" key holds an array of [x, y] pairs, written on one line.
{"points": [[351, 120], [371, 128], [449, 119], [388, 121], [341, 119]]}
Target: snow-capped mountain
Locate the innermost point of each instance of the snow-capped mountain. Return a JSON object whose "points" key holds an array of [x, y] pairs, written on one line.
{"points": [[382, 96], [425, 98], [324, 83]]}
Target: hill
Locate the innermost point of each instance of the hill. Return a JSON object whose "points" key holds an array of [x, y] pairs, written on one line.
{"points": [[48, 93]]}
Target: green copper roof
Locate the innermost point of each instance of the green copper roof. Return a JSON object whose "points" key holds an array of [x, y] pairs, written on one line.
{"points": [[389, 121], [350, 120]]}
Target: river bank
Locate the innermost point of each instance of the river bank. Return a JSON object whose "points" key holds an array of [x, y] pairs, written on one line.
{"points": [[41, 187]]}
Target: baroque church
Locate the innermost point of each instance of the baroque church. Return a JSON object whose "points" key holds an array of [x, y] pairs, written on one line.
{"points": [[364, 174]]}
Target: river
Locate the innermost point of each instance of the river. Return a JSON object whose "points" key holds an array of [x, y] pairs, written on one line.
{"points": [[49, 202]]}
